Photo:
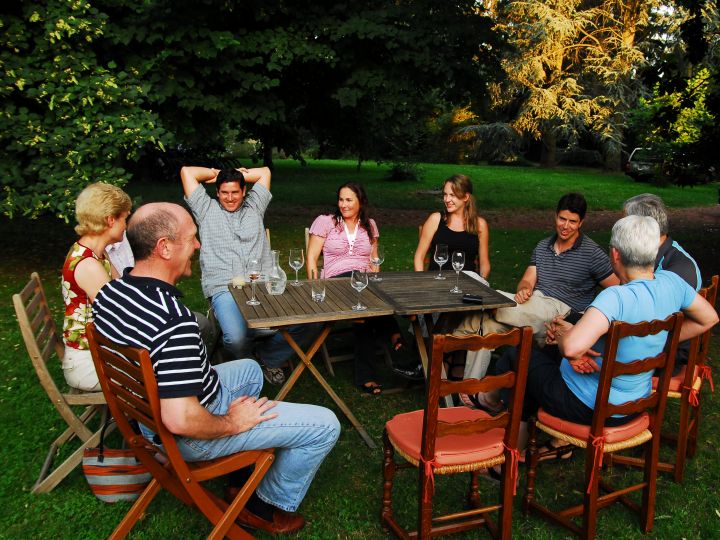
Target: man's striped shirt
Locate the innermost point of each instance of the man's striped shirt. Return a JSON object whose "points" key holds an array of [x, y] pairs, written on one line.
{"points": [[570, 276], [147, 313]]}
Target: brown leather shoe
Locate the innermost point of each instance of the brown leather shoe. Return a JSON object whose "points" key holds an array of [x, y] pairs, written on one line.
{"points": [[282, 523]]}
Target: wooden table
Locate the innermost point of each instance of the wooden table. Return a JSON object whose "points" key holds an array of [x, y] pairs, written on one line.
{"points": [[413, 294], [295, 306]]}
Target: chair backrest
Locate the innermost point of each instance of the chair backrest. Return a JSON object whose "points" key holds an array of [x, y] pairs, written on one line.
{"points": [[39, 333], [439, 387], [128, 381], [710, 294], [664, 361]]}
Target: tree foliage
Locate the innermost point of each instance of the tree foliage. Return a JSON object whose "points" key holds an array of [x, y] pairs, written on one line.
{"points": [[570, 69], [69, 117]]}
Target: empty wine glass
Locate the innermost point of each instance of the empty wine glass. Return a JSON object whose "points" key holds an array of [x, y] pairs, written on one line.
{"points": [[358, 281], [458, 262], [254, 266], [377, 259], [296, 261], [441, 257]]}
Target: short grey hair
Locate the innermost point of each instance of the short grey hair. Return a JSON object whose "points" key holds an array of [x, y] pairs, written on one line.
{"points": [[647, 204], [637, 238], [145, 229]]}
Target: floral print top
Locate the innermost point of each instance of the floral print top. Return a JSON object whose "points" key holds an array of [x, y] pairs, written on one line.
{"points": [[78, 311]]}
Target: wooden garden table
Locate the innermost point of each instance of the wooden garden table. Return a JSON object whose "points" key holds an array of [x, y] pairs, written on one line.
{"points": [[415, 294], [295, 306]]}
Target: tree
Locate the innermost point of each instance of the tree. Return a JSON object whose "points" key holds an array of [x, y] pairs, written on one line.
{"points": [[68, 117], [570, 70]]}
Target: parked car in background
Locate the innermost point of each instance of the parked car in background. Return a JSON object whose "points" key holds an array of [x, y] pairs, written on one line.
{"points": [[648, 165]]}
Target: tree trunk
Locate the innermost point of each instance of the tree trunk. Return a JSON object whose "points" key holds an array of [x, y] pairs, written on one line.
{"points": [[267, 152], [548, 153]]}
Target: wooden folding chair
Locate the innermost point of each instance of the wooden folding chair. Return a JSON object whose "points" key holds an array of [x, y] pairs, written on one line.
{"points": [[342, 333], [686, 387], [458, 439], [41, 340], [598, 440], [127, 379]]}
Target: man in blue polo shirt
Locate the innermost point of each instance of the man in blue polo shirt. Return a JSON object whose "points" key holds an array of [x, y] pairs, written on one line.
{"points": [[564, 271]]}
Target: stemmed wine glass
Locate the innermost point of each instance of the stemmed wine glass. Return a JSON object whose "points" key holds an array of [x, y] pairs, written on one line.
{"points": [[254, 266], [296, 261], [458, 262], [358, 281], [441, 257], [377, 260]]}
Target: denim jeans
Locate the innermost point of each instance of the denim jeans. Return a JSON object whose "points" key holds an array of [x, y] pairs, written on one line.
{"points": [[301, 434], [237, 337]]}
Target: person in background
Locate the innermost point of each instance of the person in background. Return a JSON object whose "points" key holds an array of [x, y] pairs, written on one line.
{"points": [[101, 211], [347, 238], [460, 228], [231, 230]]}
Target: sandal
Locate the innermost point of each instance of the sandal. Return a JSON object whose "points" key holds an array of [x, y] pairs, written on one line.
{"points": [[371, 388], [397, 342], [549, 447], [480, 401]]}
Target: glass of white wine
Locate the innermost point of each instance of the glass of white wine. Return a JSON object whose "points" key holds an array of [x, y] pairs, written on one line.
{"points": [[254, 267], [458, 263], [376, 259], [296, 260], [441, 257], [358, 281]]}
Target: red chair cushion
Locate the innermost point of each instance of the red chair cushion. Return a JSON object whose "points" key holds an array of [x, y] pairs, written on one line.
{"points": [[405, 430], [676, 383], [582, 431]]}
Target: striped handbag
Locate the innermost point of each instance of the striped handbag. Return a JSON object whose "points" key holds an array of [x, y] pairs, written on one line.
{"points": [[114, 475]]}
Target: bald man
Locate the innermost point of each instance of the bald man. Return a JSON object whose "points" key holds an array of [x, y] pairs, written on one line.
{"points": [[213, 411]]}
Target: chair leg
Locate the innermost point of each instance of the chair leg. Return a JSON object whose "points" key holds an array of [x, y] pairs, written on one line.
{"points": [[389, 471], [473, 496], [136, 511], [326, 358], [652, 449], [682, 440], [425, 506], [592, 480], [531, 463], [505, 521], [693, 437]]}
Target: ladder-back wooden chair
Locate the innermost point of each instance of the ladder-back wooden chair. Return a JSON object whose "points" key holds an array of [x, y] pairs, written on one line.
{"points": [[686, 387], [42, 340], [598, 440], [128, 380], [440, 441]]}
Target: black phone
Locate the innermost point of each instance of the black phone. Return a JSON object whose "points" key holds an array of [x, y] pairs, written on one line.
{"points": [[472, 299]]}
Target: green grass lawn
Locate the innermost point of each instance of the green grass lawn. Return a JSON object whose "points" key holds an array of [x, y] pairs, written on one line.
{"points": [[344, 500]]}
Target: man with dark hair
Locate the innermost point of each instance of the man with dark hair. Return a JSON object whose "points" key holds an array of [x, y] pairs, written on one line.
{"points": [[564, 271], [231, 231], [213, 412]]}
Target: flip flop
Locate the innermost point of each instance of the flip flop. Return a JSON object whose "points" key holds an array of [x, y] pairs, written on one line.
{"points": [[372, 389], [478, 401]]}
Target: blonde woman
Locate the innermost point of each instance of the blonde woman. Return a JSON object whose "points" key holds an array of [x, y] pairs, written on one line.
{"points": [[101, 211]]}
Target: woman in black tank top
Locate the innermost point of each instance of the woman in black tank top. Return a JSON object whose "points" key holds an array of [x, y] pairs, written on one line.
{"points": [[459, 227]]}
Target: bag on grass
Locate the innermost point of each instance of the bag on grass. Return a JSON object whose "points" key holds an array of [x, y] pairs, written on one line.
{"points": [[114, 475]]}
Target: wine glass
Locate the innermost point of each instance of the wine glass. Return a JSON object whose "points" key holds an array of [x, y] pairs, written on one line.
{"points": [[254, 266], [458, 262], [296, 261], [376, 260], [441, 257], [358, 281]]}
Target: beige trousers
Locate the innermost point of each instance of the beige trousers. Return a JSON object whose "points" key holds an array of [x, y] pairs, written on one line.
{"points": [[538, 310]]}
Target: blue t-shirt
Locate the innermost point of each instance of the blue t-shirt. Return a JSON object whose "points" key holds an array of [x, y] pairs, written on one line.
{"points": [[637, 301]]}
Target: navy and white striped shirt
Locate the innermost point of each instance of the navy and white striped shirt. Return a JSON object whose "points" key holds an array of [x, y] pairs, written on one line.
{"points": [[570, 276], [147, 313]]}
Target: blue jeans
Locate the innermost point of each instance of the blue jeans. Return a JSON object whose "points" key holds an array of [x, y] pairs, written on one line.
{"points": [[301, 434], [237, 337]]}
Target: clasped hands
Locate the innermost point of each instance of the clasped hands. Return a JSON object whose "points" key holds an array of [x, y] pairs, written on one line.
{"points": [[556, 331]]}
